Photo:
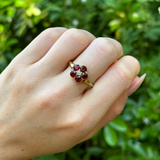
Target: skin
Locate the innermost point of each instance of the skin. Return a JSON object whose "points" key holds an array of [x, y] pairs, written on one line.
{"points": [[43, 110]]}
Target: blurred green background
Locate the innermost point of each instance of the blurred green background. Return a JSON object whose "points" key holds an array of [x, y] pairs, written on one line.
{"points": [[135, 134]]}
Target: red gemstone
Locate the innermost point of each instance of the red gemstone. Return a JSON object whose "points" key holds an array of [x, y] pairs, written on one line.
{"points": [[84, 75], [76, 67], [73, 73], [83, 68], [78, 78]]}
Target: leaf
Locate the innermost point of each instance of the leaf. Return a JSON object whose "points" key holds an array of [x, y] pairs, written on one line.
{"points": [[86, 157], [73, 154], [32, 10], [11, 42], [131, 102], [110, 136], [144, 133], [55, 16], [118, 125], [137, 148], [110, 3], [152, 152], [116, 157], [95, 150], [46, 157], [6, 3], [114, 24], [3, 62]]}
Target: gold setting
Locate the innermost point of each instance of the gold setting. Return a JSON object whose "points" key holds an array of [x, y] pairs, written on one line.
{"points": [[87, 81]]}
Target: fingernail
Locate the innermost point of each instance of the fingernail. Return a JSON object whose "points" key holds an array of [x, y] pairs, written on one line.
{"points": [[136, 85]]}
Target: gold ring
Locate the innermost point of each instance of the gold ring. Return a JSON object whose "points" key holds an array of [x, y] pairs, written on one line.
{"points": [[79, 73]]}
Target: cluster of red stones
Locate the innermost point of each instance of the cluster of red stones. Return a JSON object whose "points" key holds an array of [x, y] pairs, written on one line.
{"points": [[79, 73]]}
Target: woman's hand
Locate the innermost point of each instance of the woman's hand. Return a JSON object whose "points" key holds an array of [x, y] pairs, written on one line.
{"points": [[43, 110]]}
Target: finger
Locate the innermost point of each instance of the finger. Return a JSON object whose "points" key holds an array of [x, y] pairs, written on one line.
{"points": [[40, 45], [101, 53], [67, 47], [118, 106], [108, 88], [113, 112]]}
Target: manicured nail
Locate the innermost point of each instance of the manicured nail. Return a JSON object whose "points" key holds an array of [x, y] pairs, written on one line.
{"points": [[136, 85]]}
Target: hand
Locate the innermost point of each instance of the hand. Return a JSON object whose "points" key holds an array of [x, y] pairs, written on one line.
{"points": [[43, 110]]}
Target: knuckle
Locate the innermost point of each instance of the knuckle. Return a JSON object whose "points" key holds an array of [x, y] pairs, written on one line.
{"points": [[50, 98], [116, 112], [19, 84], [135, 63], [76, 122], [46, 99], [53, 33], [118, 47], [78, 36], [105, 47], [124, 75], [75, 125]]}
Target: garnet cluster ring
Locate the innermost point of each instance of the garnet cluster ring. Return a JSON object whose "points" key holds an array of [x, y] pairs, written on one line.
{"points": [[79, 73]]}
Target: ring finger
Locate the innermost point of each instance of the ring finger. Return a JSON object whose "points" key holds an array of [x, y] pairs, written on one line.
{"points": [[100, 54]]}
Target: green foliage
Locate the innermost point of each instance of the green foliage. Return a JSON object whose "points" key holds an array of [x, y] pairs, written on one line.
{"points": [[135, 134]]}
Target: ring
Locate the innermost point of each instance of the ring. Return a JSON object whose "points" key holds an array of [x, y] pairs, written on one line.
{"points": [[79, 73]]}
